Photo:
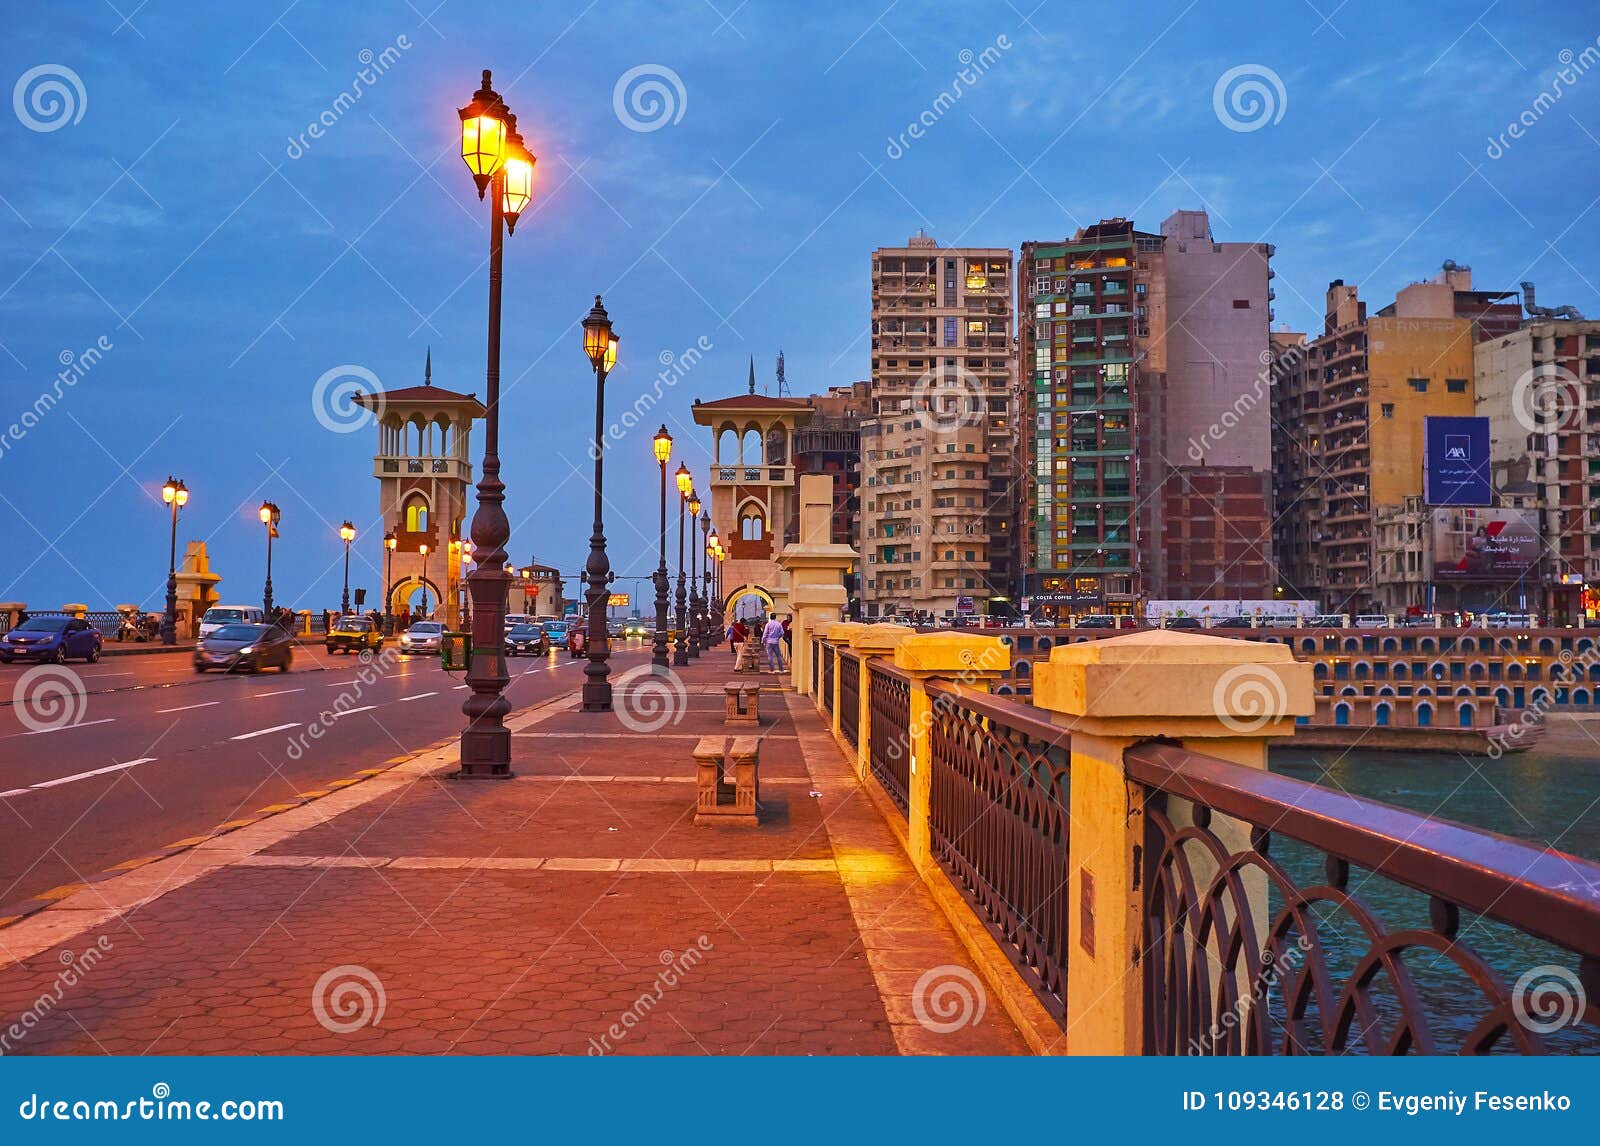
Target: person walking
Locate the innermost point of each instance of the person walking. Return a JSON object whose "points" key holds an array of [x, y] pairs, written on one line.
{"points": [[772, 640], [736, 637]]}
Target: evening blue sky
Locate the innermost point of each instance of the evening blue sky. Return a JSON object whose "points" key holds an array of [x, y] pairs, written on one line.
{"points": [[176, 216]]}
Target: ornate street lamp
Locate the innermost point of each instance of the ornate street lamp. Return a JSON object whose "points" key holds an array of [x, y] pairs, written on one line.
{"points": [[707, 637], [347, 534], [466, 573], [501, 164], [175, 494], [658, 656], [423, 549], [389, 543], [270, 516], [600, 345], [680, 648], [692, 504]]}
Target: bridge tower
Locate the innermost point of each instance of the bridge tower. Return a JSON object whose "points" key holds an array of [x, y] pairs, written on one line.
{"points": [[424, 471]]}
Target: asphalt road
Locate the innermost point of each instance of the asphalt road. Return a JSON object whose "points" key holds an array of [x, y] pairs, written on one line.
{"points": [[154, 753]]}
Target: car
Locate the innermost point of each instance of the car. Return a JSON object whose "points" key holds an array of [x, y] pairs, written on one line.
{"points": [[557, 632], [515, 619], [1184, 623], [422, 637], [1095, 621], [246, 648], [352, 634], [614, 630], [1327, 621], [219, 615], [55, 638], [638, 627], [1234, 623], [527, 640]]}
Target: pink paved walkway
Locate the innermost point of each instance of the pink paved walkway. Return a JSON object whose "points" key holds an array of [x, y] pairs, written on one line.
{"points": [[575, 909]]}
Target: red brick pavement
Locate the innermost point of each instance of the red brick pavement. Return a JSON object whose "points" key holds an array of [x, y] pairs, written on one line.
{"points": [[437, 895]]}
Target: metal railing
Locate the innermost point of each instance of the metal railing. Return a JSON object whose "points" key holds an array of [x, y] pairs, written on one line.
{"points": [[849, 695], [998, 825], [1271, 938], [889, 747], [825, 694]]}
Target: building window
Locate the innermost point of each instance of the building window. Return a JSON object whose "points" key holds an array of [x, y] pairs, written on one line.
{"points": [[1388, 409], [1241, 304], [416, 514], [1420, 385], [1455, 385]]}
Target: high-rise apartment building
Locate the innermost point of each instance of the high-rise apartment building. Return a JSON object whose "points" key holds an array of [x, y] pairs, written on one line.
{"points": [[1149, 438], [939, 464], [1540, 389], [1349, 409]]}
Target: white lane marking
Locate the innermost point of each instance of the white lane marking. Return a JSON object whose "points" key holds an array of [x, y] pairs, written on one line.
{"points": [[264, 731], [65, 727], [96, 772], [187, 707], [280, 692], [459, 687], [353, 711], [340, 683], [419, 696], [13, 792]]}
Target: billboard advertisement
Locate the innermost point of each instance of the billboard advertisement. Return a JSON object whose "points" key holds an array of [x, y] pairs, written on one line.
{"points": [[1484, 544], [1455, 461]]}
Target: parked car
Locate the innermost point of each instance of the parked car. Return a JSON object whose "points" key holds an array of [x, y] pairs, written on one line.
{"points": [[1234, 623], [1184, 623], [527, 640], [352, 634], [51, 639], [245, 648], [1095, 621], [214, 618], [422, 637], [1327, 621]]}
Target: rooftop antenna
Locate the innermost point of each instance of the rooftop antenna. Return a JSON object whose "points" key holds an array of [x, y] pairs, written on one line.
{"points": [[783, 383], [752, 374], [427, 369]]}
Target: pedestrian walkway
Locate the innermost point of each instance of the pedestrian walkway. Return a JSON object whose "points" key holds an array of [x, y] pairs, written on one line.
{"points": [[575, 909]]}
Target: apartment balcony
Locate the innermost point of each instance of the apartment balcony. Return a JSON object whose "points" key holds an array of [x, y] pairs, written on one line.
{"points": [[392, 465]]}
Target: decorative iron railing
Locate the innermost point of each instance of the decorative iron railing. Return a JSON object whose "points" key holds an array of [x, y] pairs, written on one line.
{"points": [[826, 692], [889, 746], [849, 694], [998, 825], [1263, 932]]}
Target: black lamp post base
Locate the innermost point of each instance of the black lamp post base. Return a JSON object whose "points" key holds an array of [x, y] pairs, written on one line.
{"points": [[597, 698], [485, 755]]}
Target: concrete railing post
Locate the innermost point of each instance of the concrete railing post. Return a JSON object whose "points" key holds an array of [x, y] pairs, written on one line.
{"points": [[958, 658], [871, 641], [1221, 697]]}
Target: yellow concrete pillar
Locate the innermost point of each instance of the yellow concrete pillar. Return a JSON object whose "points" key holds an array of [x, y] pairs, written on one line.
{"points": [[1218, 696], [838, 635], [871, 641], [965, 659]]}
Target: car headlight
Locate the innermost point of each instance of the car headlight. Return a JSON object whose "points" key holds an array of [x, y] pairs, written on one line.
{"points": [[247, 649]]}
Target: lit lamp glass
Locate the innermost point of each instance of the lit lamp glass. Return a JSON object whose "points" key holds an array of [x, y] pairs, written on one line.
{"points": [[390, 541], [597, 336], [694, 503], [611, 351], [483, 135], [347, 532], [175, 491], [517, 176], [685, 479], [662, 442]]}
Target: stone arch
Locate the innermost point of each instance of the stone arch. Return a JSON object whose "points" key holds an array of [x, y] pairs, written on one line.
{"points": [[406, 592]]}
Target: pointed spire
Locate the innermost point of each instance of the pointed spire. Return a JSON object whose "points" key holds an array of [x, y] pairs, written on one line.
{"points": [[427, 370], [752, 374]]}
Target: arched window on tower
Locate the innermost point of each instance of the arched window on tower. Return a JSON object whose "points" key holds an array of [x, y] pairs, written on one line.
{"points": [[752, 527]]}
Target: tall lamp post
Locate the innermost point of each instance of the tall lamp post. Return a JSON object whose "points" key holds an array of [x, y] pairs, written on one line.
{"points": [[389, 543], [692, 503], [347, 534], [658, 649], [600, 344], [270, 516], [175, 494], [707, 637], [680, 648], [423, 549], [502, 165], [465, 603]]}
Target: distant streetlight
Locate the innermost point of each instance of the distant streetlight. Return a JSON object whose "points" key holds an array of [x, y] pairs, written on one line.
{"points": [[175, 494], [704, 584], [662, 443], [270, 516], [423, 549], [680, 648], [691, 502], [389, 543], [347, 534], [600, 345]]}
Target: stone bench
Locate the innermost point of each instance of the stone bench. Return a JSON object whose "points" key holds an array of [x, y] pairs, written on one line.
{"points": [[718, 802], [742, 702]]}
